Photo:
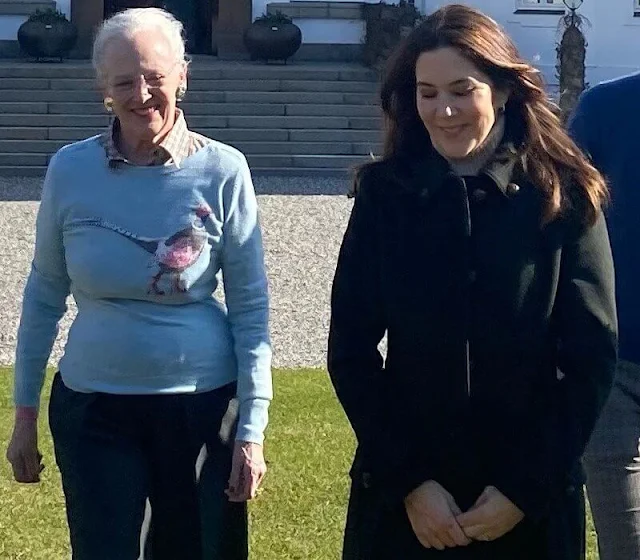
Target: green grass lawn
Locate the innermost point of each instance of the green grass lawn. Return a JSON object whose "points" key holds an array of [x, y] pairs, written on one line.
{"points": [[298, 516]]}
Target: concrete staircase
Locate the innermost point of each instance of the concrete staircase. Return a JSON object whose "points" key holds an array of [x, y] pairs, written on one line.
{"points": [[296, 119]]}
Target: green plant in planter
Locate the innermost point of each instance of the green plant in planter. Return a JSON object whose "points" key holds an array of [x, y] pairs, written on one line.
{"points": [[277, 18], [47, 34], [272, 37], [47, 16]]}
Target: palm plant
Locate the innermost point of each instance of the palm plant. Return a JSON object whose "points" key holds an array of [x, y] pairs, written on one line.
{"points": [[571, 54]]}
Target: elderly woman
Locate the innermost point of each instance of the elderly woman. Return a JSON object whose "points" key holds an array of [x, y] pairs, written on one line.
{"points": [[478, 244], [136, 223]]}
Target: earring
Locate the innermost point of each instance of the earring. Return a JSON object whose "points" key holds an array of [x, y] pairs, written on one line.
{"points": [[181, 92], [108, 104]]}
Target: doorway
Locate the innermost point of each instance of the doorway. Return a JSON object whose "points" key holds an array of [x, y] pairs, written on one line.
{"points": [[213, 27]]}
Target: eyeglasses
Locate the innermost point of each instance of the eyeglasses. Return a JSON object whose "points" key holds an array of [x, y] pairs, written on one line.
{"points": [[151, 81]]}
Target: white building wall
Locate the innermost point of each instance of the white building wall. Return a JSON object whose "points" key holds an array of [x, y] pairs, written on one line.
{"points": [[335, 32], [9, 27], [613, 35], [65, 7]]}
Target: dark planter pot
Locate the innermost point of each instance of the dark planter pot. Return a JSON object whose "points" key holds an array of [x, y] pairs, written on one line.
{"points": [[266, 41], [47, 40]]}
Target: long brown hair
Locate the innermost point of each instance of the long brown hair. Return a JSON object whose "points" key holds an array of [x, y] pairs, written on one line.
{"points": [[549, 156]]}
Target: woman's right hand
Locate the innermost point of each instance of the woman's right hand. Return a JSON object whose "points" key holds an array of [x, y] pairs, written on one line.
{"points": [[23, 453], [432, 512]]}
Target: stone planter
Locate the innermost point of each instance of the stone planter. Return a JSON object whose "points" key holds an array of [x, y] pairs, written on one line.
{"points": [[272, 41], [43, 40]]}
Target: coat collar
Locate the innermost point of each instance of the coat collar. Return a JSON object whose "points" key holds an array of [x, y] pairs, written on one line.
{"points": [[429, 174], [504, 167]]}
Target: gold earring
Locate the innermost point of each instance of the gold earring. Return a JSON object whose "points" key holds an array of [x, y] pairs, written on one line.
{"points": [[108, 104], [181, 92]]}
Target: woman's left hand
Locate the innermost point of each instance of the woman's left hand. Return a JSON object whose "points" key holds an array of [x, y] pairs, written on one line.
{"points": [[247, 471], [492, 516]]}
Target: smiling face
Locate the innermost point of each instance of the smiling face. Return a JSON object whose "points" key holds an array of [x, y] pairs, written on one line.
{"points": [[142, 77], [456, 102]]}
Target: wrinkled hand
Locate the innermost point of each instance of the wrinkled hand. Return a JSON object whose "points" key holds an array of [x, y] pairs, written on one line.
{"points": [[432, 512], [247, 471], [492, 516], [23, 453]]}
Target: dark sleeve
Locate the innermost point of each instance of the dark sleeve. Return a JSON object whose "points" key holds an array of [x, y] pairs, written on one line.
{"points": [[585, 315], [583, 124], [355, 363], [357, 322]]}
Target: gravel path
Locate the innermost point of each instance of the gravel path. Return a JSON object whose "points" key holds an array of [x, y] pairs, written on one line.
{"points": [[302, 235]]}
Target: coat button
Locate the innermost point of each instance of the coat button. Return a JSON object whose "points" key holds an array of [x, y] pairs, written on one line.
{"points": [[478, 195], [366, 480], [512, 188]]}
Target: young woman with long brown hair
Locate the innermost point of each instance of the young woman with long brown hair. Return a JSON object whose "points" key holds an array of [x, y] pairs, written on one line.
{"points": [[477, 244]]}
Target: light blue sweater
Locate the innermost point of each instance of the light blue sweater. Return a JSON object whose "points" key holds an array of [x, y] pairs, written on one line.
{"points": [[140, 248]]}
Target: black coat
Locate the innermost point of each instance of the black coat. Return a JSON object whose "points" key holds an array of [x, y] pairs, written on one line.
{"points": [[501, 351]]}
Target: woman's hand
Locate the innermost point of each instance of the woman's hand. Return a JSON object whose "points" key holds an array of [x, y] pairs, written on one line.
{"points": [[23, 453], [432, 512], [247, 471], [492, 516]]}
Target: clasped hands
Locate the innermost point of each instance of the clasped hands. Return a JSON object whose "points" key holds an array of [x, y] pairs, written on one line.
{"points": [[438, 522]]}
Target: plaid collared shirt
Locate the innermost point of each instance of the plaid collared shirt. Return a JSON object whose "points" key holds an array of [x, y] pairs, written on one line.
{"points": [[179, 144]]}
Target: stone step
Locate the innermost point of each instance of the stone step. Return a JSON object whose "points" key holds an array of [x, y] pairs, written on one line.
{"points": [[22, 170], [24, 83], [298, 97], [49, 95], [70, 134], [31, 146], [231, 85], [38, 120], [310, 126], [307, 72], [199, 91], [249, 146], [304, 122], [23, 133], [275, 164], [332, 135], [305, 161], [213, 100], [308, 110], [39, 171], [24, 107], [23, 159], [238, 96], [308, 148]]}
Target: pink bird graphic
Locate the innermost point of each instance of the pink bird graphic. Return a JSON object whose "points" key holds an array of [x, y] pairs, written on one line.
{"points": [[173, 255]]}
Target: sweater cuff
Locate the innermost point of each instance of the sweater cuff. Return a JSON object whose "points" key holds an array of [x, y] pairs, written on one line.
{"points": [[252, 421]]}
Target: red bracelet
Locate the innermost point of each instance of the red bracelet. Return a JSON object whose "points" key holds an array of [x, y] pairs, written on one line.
{"points": [[26, 413]]}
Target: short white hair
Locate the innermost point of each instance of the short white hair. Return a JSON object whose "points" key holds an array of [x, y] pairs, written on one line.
{"points": [[127, 23]]}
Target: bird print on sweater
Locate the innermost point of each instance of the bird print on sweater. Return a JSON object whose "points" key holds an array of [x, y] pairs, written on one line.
{"points": [[171, 255]]}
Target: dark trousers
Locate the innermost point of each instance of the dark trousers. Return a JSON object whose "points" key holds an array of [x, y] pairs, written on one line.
{"points": [[612, 462], [115, 451]]}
